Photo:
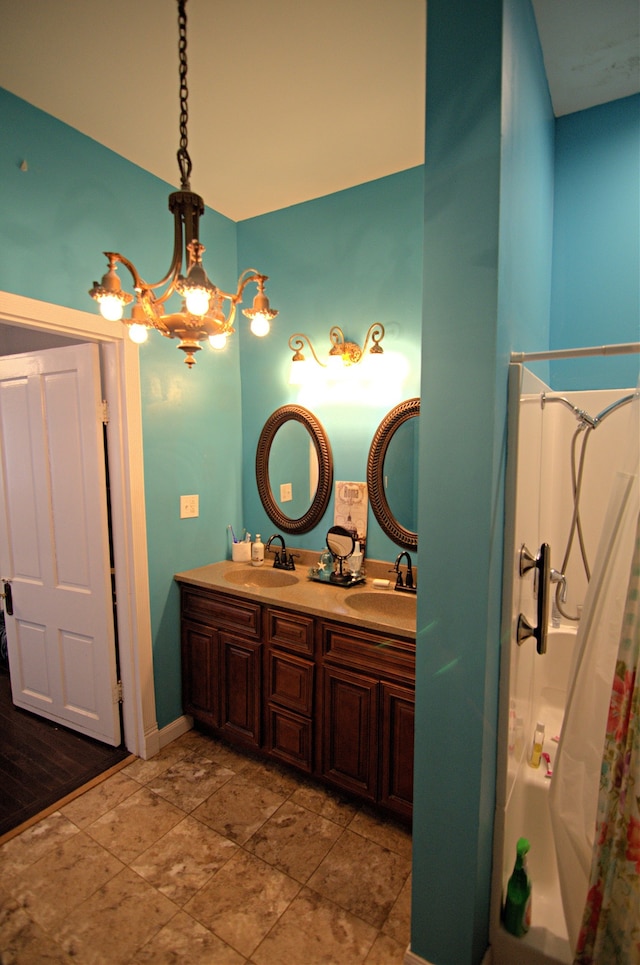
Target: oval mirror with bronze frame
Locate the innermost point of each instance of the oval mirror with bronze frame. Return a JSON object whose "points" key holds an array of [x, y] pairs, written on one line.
{"points": [[390, 525], [281, 417]]}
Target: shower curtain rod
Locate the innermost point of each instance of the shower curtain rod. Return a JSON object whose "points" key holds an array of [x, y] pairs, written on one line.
{"points": [[625, 348]]}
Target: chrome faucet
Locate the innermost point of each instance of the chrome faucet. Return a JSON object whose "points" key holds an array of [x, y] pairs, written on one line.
{"points": [[282, 559], [406, 585]]}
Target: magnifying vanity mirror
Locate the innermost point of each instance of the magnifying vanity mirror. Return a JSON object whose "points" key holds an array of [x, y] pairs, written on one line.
{"points": [[294, 458], [341, 545], [392, 474]]}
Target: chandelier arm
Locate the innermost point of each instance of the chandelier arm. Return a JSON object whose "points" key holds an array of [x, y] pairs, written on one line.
{"points": [[300, 339], [247, 276], [138, 282], [376, 334], [171, 276]]}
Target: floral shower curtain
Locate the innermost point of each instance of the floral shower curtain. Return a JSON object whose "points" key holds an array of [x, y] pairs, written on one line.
{"points": [[579, 793], [610, 930]]}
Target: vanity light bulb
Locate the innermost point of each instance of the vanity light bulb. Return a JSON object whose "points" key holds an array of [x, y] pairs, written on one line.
{"points": [[138, 333], [218, 341], [260, 325], [298, 373], [197, 300], [111, 308]]}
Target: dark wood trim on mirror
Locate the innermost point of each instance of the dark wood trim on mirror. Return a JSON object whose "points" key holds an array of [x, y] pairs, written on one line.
{"points": [[325, 469], [375, 473]]}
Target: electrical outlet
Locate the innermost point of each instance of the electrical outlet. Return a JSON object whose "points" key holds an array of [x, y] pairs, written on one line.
{"points": [[286, 494], [189, 506]]}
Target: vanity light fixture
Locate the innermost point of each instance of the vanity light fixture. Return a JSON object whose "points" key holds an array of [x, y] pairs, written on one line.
{"points": [[203, 315], [342, 354]]}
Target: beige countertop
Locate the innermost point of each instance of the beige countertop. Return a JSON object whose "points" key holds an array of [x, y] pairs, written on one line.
{"points": [[380, 610]]}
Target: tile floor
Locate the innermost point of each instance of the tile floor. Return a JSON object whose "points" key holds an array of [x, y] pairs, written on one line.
{"points": [[203, 855]]}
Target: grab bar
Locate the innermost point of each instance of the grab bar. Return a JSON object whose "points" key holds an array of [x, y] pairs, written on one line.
{"points": [[542, 564], [7, 596]]}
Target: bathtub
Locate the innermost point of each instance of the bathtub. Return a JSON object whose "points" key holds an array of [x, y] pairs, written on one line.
{"points": [[526, 814]]}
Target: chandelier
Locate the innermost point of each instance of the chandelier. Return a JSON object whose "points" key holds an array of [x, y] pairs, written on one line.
{"points": [[207, 312]]}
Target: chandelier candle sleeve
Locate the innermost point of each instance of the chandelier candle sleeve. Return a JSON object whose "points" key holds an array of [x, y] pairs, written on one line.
{"points": [[207, 312]]}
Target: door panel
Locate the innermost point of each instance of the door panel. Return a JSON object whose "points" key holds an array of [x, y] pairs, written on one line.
{"points": [[54, 540]]}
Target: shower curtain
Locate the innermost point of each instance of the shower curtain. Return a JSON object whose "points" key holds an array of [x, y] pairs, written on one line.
{"points": [[579, 761], [611, 920]]}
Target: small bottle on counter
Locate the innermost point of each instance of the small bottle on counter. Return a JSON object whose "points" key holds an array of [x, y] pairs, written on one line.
{"points": [[325, 564], [257, 551]]}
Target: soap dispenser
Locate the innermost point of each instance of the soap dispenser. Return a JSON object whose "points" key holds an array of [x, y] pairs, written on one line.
{"points": [[355, 560], [257, 551]]}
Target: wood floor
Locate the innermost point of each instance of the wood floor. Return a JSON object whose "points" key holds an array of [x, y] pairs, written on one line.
{"points": [[41, 762]]}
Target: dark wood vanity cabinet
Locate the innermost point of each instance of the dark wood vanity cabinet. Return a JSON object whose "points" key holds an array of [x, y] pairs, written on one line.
{"points": [[334, 701], [222, 663], [368, 715]]}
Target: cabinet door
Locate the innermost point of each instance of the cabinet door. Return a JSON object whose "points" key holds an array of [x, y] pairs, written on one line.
{"points": [[396, 750], [201, 672], [241, 677], [350, 731]]}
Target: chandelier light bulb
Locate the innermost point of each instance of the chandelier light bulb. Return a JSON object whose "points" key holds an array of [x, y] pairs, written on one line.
{"points": [[138, 333], [197, 300], [111, 308], [218, 342], [260, 325]]}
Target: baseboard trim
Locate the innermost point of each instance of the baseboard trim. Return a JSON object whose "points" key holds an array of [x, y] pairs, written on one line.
{"points": [[410, 958], [175, 729]]}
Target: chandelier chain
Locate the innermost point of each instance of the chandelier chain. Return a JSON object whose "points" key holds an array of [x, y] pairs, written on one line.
{"points": [[184, 161]]}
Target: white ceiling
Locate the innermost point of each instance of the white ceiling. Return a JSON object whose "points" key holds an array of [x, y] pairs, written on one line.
{"points": [[289, 99]]}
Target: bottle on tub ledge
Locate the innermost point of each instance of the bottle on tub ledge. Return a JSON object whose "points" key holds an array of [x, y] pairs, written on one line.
{"points": [[516, 911], [257, 551], [536, 750]]}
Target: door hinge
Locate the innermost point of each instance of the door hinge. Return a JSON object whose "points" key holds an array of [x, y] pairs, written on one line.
{"points": [[104, 412], [117, 693]]}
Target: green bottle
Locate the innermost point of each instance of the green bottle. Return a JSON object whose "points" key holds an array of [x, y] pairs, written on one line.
{"points": [[516, 914]]}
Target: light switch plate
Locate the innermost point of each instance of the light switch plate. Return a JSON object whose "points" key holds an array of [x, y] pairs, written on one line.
{"points": [[286, 494], [189, 506]]}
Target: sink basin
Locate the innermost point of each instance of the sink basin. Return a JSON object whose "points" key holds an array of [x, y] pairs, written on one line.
{"points": [[384, 604], [254, 576]]}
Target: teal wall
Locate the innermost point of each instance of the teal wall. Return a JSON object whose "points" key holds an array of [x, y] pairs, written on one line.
{"points": [[76, 200], [596, 244], [349, 259], [487, 277]]}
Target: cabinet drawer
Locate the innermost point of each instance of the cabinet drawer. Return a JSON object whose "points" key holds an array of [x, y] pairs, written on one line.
{"points": [[290, 738], [362, 650], [290, 681], [290, 630], [221, 611]]}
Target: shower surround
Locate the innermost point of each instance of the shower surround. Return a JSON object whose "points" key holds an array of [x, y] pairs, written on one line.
{"points": [[534, 687]]}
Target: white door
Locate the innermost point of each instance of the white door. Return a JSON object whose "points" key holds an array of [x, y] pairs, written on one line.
{"points": [[54, 540]]}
